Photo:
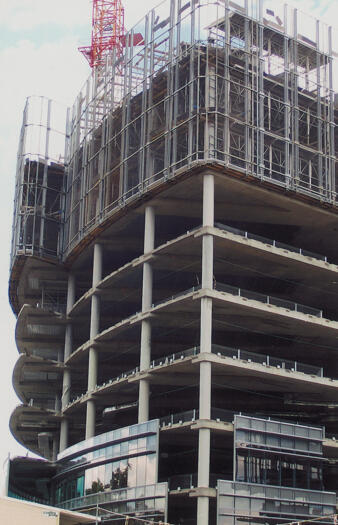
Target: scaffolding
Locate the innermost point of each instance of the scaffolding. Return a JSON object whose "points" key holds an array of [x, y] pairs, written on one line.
{"points": [[39, 180], [211, 81]]}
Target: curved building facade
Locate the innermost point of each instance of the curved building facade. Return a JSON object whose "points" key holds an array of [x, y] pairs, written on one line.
{"points": [[174, 275]]}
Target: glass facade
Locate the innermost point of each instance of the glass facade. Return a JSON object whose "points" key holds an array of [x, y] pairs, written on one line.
{"points": [[256, 503], [117, 471], [278, 453], [149, 501], [122, 458], [277, 474]]}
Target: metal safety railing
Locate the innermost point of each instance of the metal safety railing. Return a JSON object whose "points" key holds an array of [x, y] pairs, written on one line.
{"points": [[270, 242], [264, 359], [268, 299]]}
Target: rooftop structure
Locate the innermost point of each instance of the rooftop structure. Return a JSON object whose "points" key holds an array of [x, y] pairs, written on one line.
{"points": [[174, 275]]}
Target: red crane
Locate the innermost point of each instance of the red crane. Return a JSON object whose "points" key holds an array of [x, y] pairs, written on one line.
{"points": [[108, 32]]}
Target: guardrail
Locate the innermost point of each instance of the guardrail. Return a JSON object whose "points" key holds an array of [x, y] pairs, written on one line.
{"points": [[268, 299], [190, 481], [278, 362], [189, 416], [271, 242], [175, 357], [177, 295]]}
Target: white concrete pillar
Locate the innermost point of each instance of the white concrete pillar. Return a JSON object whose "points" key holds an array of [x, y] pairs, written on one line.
{"points": [[147, 297], [90, 419], [205, 346], [94, 330], [67, 380]]}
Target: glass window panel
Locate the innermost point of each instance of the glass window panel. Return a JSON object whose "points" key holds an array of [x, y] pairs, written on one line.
{"points": [[152, 442], [150, 491], [273, 441], [315, 446], [328, 498], [227, 502], [272, 492], [124, 448], [160, 490], [271, 472], [150, 504], [240, 474], [109, 452], [225, 520], [300, 476], [108, 476], [299, 495], [152, 426], [143, 428], [134, 430], [131, 506], [242, 489], [241, 435], [272, 427], [132, 445], [117, 434], [159, 504], [151, 469], [242, 422], [301, 431], [301, 444], [287, 442], [140, 492], [257, 424], [242, 504], [257, 491], [287, 429], [287, 508], [257, 437], [115, 452], [257, 505], [287, 473], [124, 432], [142, 444], [141, 470], [132, 472], [316, 433], [315, 510]]}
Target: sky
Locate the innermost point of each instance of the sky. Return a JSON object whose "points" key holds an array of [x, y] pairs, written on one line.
{"points": [[39, 55]]}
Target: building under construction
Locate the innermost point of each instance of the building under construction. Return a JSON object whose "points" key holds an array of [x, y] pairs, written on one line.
{"points": [[174, 273]]}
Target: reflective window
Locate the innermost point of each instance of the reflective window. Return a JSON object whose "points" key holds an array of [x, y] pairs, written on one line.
{"points": [[129, 463]]}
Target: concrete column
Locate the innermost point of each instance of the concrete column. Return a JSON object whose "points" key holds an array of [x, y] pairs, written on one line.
{"points": [[67, 380], [205, 346], [147, 297], [94, 330], [55, 448]]}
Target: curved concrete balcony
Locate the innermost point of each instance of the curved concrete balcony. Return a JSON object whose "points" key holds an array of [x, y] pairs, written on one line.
{"points": [[30, 275], [38, 328], [27, 422], [35, 376]]}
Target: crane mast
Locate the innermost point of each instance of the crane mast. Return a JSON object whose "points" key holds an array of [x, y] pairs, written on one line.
{"points": [[108, 31]]}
